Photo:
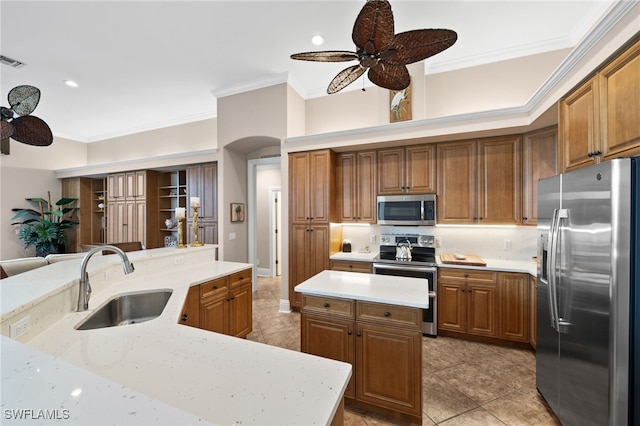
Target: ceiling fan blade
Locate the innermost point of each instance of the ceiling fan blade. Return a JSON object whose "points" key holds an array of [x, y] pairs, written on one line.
{"points": [[392, 77], [24, 99], [344, 78], [375, 24], [31, 130], [6, 130], [326, 56], [413, 46]]}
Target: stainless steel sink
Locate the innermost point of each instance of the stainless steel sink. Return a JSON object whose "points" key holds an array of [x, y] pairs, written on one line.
{"points": [[127, 308]]}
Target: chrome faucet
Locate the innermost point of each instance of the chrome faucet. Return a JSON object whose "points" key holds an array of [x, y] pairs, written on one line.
{"points": [[84, 286]]}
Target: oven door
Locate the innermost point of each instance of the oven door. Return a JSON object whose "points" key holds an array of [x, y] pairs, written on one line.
{"points": [[430, 315]]}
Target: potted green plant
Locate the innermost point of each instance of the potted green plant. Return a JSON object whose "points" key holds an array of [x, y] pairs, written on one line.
{"points": [[45, 229]]}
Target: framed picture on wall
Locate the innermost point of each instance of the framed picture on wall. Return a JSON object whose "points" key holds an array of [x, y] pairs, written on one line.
{"points": [[237, 212]]}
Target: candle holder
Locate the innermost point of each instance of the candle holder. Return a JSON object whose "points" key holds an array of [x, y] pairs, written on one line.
{"points": [[195, 242], [180, 239]]}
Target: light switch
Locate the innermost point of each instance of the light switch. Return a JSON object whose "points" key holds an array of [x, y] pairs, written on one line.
{"points": [[232, 236]]}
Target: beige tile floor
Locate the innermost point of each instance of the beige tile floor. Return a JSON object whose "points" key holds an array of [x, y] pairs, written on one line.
{"points": [[464, 383]]}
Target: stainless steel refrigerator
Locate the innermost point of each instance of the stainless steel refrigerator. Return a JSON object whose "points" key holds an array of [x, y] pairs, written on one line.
{"points": [[587, 294]]}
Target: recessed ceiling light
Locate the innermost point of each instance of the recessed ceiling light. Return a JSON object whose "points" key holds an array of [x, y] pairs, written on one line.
{"points": [[317, 40], [71, 83]]}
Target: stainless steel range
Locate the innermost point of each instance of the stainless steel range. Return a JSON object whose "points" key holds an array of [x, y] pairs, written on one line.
{"points": [[412, 255]]}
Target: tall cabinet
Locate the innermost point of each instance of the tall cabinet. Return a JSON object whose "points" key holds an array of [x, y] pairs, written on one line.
{"points": [[91, 195], [131, 208], [311, 191], [201, 180]]}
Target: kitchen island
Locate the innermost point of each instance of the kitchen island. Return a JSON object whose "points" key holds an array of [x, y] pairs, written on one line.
{"points": [[155, 372], [374, 323]]}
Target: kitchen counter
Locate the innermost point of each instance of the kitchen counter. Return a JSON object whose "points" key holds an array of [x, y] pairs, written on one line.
{"points": [[177, 374], [393, 290], [355, 256], [521, 266]]}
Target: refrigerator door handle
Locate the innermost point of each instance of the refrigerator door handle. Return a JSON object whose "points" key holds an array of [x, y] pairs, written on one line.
{"points": [[549, 267]]}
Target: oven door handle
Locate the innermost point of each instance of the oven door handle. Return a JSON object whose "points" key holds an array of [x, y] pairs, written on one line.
{"points": [[393, 267]]}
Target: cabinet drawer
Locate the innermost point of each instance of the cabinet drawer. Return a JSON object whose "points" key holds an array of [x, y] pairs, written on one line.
{"points": [[468, 274], [390, 315], [212, 287], [349, 266], [328, 305], [241, 277]]}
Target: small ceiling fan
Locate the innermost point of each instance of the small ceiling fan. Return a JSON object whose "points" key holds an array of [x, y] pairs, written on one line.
{"points": [[17, 123], [380, 51]]}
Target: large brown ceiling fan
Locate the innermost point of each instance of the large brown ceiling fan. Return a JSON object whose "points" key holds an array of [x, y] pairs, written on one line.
{"points": [[380, 51], [17, 123]]}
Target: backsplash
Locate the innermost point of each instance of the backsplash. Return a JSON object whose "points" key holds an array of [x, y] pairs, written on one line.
{"points": [[490, 242]]}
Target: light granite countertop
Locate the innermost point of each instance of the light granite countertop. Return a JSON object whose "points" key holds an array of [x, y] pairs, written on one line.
{"points": [[158, 369], [393, 290]]}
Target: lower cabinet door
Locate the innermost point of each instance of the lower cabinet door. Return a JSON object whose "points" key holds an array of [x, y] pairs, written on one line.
{"points": [[329, 338], [213, 313], [240, 314], [389, 367]]}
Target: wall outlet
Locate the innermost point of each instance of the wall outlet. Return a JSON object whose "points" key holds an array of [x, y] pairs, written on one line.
{"points": [[438, 242], [507, 245], [19, 327], [372, 238], [178, 260]]}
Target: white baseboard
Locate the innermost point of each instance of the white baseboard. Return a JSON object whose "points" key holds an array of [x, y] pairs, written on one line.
{"points": [[285, 306], [264, 272]]}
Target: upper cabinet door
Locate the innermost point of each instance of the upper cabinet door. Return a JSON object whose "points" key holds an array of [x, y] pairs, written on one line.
{"points": [[421, 169], [312, 186], [578, 126], [366, 185], [500, 180], [298, 184], [457, 182], [620, 105], [391, 171], [539, 161]]}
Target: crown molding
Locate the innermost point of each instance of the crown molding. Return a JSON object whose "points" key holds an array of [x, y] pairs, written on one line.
{"points": [[250, 85]]}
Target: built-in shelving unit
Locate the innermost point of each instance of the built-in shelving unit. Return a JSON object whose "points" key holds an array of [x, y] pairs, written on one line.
{"points": [[98, 213], [172, 193]]}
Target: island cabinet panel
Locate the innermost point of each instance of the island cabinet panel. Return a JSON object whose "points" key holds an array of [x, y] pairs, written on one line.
{"points": [[533, 314], [410, 170], [356, 185], [382, 342], [351, 266], [223, 305], [389, 367], [490, 305], [330, 338]]}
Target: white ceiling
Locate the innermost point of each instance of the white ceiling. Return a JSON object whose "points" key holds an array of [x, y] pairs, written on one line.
{"points": [[142, 65]]}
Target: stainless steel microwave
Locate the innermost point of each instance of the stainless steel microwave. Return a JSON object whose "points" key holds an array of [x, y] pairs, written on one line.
{"points": [[412, 210]]}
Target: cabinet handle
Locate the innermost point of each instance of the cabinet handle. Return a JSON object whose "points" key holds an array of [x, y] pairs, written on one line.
{"points": [[326, 305], [525, 219], [349, 332], [215, 287], [184, 317], [387, 314], [598, 152], [358, 334], [466, 275]]}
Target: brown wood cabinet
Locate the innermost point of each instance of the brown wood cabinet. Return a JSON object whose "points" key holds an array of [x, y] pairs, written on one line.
{"points": [[311, 207], [489, 304], [131, 211], [308, 255], [382, 342], [223, 305], [407, 170], [356, 184], [479, 181], [598, 120], [539, 161], [351, 266], [202, 182], [513, 306]]}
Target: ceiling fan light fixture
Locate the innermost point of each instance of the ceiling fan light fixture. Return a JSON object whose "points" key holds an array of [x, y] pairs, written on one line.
{"points": [[71, 83], [317, 40]]}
